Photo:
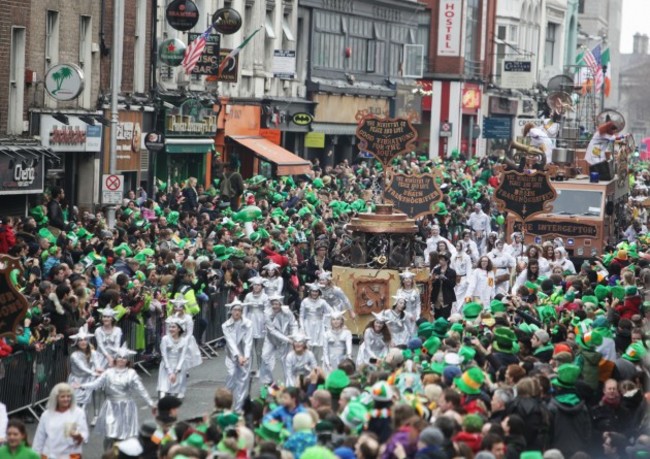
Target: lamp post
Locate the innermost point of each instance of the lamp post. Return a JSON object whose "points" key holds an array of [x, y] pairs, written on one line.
{"points": [[116, 82]]}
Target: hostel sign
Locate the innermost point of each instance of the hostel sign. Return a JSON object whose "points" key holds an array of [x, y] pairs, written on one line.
{"points": [[386, 138]]}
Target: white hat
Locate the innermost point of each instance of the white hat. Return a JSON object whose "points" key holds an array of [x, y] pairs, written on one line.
{"points": [[131, 447], [399, 296], [178, 302], [337, 314], [325, 275], [82, 334], [235, 304], [379, 317], [406, 274], [108, 312], [271, 266], [452, 358], [279, 298], [257, 280], [300, 337], [124, 352], [180, 323], [313, 286]]}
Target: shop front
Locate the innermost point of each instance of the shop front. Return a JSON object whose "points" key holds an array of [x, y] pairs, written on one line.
{"points": [[285, 122], [22, 174], [77, 143], [189, 143]]}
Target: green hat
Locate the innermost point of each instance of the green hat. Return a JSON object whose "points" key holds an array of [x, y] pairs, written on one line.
{"points": [[194, 440], [471, 381], [635, 352], [440, 327], [381, 392], [590, 299], [221, 252], [425, 329], [123, 248], [504, 340], [442, 209], [466, 353], [144, 253], [531, 455], [532, 286], [317, 183], [355, 416], [431, 345], [601, 292], [337, 381], [83, 233], [472, 310], [590, 340], [38, 213], [618, 292], [272, 431], [631, 290], [567, 375], [457, 327], [570, 296], [172, 217], [497, 306], [47, 234], [227, 419]]}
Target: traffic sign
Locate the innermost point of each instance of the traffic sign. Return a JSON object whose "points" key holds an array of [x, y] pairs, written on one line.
{"points": [[112, 188], [445, 129]]}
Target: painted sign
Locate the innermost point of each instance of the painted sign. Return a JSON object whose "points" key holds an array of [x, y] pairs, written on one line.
{"points": [[564, 229], [64, 82], [13, 305], [171, 52], [231, 70], [272, 135], [415, 195], [191, 119], [471, 99], [386, 138], [284, 64], [77, 136], [449, 27], [227, 21], [182, 15], [21, 175], [525, 194], [209, 60]]}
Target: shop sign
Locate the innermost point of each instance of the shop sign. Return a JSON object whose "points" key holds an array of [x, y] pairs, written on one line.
{"points": [[154, 141], [517, 74], [21, 176], [171, 52], [272, 135], [450, 15], [64, 82], [525, 194], [209, 59], [342, 109], [230, 71], [77, 136], [129, 136], [564, 229], [386, 137], [415, 195], [13, 305], [182, 15], [497, 127], [227, 21], [302, 119], [284, 64], [521, 122], [191, 119], [315, 140]]}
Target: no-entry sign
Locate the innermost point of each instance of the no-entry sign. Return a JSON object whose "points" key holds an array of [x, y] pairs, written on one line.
{"points": [[112, 188]]}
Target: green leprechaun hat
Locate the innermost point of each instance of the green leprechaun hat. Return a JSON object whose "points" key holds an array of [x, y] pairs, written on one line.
{"points": [[470, 381]]}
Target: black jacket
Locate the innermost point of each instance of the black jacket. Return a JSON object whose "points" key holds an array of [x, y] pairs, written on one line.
{"points": [[447, 285], [55, 214], [570, 427]]}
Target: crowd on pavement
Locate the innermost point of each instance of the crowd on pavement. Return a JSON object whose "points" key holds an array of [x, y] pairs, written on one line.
{"points": [[517, 353]]}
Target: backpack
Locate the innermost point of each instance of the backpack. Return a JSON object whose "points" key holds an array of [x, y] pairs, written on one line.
{"points": [[226, 187]]}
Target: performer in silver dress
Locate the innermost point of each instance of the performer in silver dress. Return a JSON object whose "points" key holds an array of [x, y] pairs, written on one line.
{"points": [[84, 367], [280, 325], [187, 324], [333, 295], [274, 284], [411, 295], [300, 361], [174, 350], [238, 333], [376, 341], [314, 314], [256, 302], [108, 338], [118, 417], [337, 343], [399, 321]]}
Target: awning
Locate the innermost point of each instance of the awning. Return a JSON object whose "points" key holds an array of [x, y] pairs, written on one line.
{"points": [[287, 163], [27, 151], [334, 129], [200, 145]]}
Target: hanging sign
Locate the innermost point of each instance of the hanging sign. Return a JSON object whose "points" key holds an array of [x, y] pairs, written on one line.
{"points": [[227, 21], [525, 194], [64, 82], [415, 195], [386, 138], [182, 14], [230, 71], [209, 60], [13, 305], [154, 141], [563, 229], [171, 52]]}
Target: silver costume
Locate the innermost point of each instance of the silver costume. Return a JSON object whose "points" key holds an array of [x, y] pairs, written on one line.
{"points": [[273, 285], [413, 305], [83, 369], [338, 347], [400, 327], [175, 359], [118, 417], [314, 314], [254, 308], [107, 344], [239, 342], [373, 346], [299, 365], [280, 327], [336, 298], [193, 351]]}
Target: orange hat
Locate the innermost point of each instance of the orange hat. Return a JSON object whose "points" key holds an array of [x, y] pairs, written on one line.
{"points": [[622, 254], [561, 347]]}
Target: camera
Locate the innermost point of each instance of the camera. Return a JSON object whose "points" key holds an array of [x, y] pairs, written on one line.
{"points": [[467, 340]]}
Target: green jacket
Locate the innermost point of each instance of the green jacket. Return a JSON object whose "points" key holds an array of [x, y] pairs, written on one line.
{"points": [[22, 452]]}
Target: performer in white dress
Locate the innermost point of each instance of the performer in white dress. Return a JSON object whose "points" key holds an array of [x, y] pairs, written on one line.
{"points": [[108, 338], [333, 295], [411, 294], [84, 367], [118, 417], [300, 361], [462, 264], [256, 302], [469, 245], [274, 284], [238, 333], [376, 341], [481, 284], [503, 264], [432, 243], [314, 314], [174, 350], [399, 321], [338, 342], [280, 325], [187, 324]]}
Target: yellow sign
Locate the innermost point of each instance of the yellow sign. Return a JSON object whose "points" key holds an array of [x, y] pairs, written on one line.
{"points": [[315, 140]]}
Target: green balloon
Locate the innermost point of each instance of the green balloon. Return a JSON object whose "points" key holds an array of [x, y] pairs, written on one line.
{"points": [[248, 214], [501, 220]]}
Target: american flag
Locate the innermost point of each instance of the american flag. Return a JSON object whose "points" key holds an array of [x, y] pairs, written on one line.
{"points": [[592, 59], [194, 51]]}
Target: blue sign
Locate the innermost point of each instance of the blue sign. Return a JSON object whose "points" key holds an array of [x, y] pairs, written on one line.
{"points": [[497, 127]]}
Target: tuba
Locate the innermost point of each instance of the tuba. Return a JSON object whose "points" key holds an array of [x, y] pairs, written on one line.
{"points": [[528, 152]]}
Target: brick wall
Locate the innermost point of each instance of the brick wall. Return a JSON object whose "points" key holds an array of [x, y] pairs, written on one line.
{"points": [[14, 13]]}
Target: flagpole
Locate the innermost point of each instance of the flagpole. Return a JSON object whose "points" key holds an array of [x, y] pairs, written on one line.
{"points": [[604, 68]]}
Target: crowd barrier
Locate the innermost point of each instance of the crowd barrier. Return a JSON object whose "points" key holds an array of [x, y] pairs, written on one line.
{"points": [[27, 377]]}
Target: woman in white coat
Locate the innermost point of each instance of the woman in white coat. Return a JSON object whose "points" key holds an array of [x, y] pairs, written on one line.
{"points": [[481, 283], [338, 342], [562, 261], [300, 361], [503, 264], [462, 264], [256, 302], [274, 284]]}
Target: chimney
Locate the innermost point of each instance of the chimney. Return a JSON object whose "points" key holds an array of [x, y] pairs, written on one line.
{"points": [[640, 44], [644, 44]]}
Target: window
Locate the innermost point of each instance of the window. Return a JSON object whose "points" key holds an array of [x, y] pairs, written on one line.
{"points": [[581, 6], [139, 46], [549, 47], [501, 32], [268, 26], [85, 57], [472, 38], [286, 29], [413, 61], [514, 33], [329, 40], [16, 81], [52, 39]]}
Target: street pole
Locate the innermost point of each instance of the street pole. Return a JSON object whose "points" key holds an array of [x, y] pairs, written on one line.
{"points": [[116, 82]]}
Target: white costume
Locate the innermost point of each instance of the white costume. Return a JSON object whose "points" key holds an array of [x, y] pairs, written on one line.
{"points": [[400, 327], [239, 343], [479, 221], [597, 147], [338, 345], [503, 264], [333, 295], [412, 298], [83, 367], [274, 284], [52, 438], [470, 245], [299, 365], [432, 246], [280, 326], [254, 307], [462, 264], [481, 285], [175, 360], [539, 139], [373, 345], [314, 314], [107, 341]]}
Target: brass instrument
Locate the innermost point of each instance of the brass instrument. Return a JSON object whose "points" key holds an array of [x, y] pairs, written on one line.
{"points": [[532, 154]]}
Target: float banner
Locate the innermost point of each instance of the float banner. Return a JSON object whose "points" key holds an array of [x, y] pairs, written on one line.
{"points": [[415, 195], [524, 194], [386, 138], [565, 229]]}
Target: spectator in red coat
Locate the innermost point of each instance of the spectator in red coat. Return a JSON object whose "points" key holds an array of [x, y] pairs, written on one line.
{"points": [[7, 236], [631, 303]]}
